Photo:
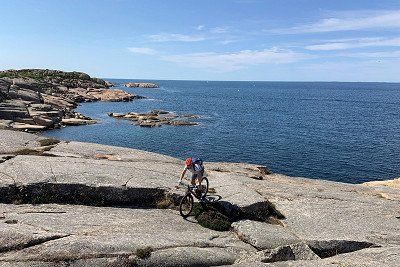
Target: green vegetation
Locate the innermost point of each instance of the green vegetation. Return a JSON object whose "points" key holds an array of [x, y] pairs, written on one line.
{"points": [[164, 203], [26, 151], [34, 151], [48, 142], [45, 79], [214, 220], [214, 216], [209, 217], [144, 253], [39, 74]]}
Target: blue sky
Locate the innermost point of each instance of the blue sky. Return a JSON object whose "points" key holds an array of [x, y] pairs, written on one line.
{"points": [[206, 40]]}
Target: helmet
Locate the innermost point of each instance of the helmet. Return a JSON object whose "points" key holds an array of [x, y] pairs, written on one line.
{"points": [[188, 161]]}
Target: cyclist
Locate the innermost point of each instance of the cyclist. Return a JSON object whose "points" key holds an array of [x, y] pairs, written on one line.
{"points": [[195, 166]]}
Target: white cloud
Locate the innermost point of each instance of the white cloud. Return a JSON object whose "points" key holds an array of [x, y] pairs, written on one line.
{"points": [[226, 62], [142, 50], [353, 21], [200, 27], [175, 37], [355, 43], [219, 30]]}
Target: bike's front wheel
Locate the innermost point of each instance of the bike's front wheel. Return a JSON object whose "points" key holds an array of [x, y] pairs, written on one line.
{"points": [[186, 205]]}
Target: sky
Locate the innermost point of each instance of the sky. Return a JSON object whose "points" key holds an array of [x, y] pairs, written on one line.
{"points": [[285, 40]]}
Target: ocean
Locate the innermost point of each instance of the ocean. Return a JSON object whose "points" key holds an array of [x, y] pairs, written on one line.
{"points": [[346, 132]]}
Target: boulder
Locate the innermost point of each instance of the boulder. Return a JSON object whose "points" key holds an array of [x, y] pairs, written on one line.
{"points": [[41, 107], [109, 84], [158, 112], [52, 113], [16, 92], [76, 122], [44, 121], [58, 102], [116, 115], [142, 85], [149, 124]]}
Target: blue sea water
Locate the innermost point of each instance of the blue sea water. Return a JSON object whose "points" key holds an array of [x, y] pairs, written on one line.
{"points": [[347, 132]]}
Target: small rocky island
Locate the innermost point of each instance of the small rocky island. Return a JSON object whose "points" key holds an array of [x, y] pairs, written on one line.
{"points": [[142, 85], [156, 118], [39, 99]]}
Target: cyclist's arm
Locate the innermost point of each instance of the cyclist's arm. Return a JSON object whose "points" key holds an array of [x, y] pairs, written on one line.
{"points": [[183, 173]]}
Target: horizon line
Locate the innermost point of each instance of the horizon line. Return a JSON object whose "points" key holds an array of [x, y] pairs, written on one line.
{"points": [[196, 80]]}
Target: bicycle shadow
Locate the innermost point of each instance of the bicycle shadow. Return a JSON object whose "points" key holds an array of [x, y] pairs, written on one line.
{"points": [[212, 198], [259, 211]]}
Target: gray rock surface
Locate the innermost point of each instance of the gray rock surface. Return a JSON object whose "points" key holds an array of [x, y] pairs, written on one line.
{"points": [[95, 205], [11, 141], [370, 257], [297, 251], [264, 235], [77, 232]]}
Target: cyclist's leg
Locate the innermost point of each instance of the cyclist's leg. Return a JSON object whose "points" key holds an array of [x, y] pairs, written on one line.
{"points": [[193, 179], [200, 178]]}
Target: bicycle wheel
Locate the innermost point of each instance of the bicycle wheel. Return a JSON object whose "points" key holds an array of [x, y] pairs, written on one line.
{"points": [[205, 184], [186, 205]]}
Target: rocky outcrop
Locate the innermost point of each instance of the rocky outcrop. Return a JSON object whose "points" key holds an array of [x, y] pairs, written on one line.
{"points": [[141, 85], [93, 94], [156, 118], [36, 99], [82, 204], [45, 80]]}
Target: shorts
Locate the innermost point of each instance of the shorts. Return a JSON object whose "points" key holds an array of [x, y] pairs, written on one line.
{"points": [[198, 175]]}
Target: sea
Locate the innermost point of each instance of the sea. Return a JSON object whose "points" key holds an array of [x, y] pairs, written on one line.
{"points": [[346, 132]]}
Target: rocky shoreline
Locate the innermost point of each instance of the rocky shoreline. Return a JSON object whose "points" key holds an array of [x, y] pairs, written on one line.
{"points": [[36, 99], [81, 204]]}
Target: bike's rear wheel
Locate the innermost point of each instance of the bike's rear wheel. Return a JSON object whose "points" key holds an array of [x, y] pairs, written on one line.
{"points": [[204, 184], [186, 205]]}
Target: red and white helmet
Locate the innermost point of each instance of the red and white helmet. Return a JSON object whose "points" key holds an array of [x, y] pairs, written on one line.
{"points": [[188, 162]]}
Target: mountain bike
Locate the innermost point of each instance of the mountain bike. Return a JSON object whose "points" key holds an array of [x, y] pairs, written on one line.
{"points": [[187, 202]]}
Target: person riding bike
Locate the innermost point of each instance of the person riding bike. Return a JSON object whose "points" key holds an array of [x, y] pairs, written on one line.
{"points": [[195, 166]]}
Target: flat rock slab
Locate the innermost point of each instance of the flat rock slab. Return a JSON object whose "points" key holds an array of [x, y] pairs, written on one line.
{"points": [[371, 257], [13, 140], [263, 235], [323, 210], [26, 169], [81, 232], [97, 151]]}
